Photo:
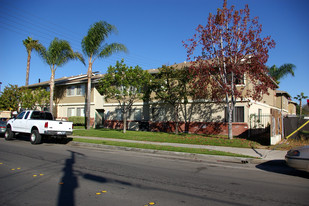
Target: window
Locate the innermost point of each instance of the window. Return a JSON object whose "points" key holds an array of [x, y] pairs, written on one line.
{"points": [[41, 115], [158, 114], [118, 114], [70, 91], [128, 90], [20, 116], [259, 115], [238, 79], [135, 114], [27, 114], [71, 112], [78, 90], [80, 111], [237, 116]]}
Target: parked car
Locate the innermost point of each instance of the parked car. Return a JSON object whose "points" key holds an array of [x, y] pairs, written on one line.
{"points": [[298, 158], [38, 124], [2, 127]]}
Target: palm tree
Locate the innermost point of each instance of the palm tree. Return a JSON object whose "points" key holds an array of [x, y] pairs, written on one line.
{"points": [[58, 54], [31, 44], [278, 73], [300, 98], [93, 49]]}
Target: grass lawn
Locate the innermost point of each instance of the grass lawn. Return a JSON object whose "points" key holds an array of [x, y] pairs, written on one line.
{"points": [[160, 147], [167, 137]]}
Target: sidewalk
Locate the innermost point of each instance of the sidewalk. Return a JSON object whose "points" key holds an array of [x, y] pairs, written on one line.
{"points": [[263, 154]]}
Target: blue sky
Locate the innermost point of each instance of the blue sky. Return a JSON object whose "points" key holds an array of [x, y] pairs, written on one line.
{"points": [[152, 30]]}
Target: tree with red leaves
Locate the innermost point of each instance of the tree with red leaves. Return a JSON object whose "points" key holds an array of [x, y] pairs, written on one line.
{"points": [[230, 50]]}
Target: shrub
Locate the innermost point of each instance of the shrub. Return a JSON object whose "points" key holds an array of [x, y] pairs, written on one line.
{"points": [[77, 120]]}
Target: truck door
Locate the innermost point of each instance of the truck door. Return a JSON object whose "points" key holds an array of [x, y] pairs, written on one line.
{"points": [[17, 124], [24, 123]]}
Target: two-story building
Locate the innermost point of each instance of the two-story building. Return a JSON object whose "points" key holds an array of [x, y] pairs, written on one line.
{"points": [[70, 96], [197, 116]]}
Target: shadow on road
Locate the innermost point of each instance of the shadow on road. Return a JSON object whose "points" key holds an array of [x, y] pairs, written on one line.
{"points": [[46, 140], [279, 166], [105, 180], [68, 182]]}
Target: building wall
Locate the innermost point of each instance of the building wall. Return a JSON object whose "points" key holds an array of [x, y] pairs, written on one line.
{"points": [[202, 117], [282, 103], [77, 103], [292, 108], [269, 99], [198, 116]]}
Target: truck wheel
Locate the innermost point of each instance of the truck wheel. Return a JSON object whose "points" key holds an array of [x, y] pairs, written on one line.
{"points": [[8, 135], [35, 137]]}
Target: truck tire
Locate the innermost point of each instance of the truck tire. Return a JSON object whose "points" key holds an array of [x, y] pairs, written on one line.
{"points": [[35, 137], [8, 135]]}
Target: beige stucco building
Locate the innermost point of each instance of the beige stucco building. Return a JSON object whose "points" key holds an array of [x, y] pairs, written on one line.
{"points": [[197, 116]]}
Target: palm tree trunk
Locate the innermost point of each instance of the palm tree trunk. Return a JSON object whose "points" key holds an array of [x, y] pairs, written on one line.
{"points": [[28, 68], [52, 85], [88, 95]]}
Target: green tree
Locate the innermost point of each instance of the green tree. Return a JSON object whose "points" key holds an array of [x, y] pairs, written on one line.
{"points": [[10, 98], [58, 54], [279, 73], [27, 100], [31, 44], [41, 97], [14, 98], [34, 99], [300, 97], [171, 86], [93, 48], [126, 85]]}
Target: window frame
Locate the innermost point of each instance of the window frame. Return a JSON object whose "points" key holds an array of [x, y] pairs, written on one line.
{"points": [[238, 114], [80, 111]]}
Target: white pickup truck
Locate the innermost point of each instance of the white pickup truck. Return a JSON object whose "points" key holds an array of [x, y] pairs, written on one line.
{"points": [[38, 124]]}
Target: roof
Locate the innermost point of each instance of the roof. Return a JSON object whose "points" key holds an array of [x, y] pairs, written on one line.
{"points": [[292, 102], [188, 64], [176, 66], [283, 93], [69, 80], [96, 76]]}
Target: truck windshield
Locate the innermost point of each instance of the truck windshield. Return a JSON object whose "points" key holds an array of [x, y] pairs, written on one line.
{"points": [[41, 115]]}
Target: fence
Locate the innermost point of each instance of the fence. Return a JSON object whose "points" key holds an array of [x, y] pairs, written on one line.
{"points": [[259, 128]]}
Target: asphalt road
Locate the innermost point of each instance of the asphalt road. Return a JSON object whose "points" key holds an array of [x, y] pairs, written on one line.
{"points": [[59, 174]]}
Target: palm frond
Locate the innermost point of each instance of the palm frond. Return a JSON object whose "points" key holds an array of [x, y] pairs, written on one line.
{"points": [[109, 49], [96, 35], [31, 44], [281, 72], [60, 52]]}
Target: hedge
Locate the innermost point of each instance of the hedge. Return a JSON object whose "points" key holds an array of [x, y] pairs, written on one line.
{"points": [[77, 120]]}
